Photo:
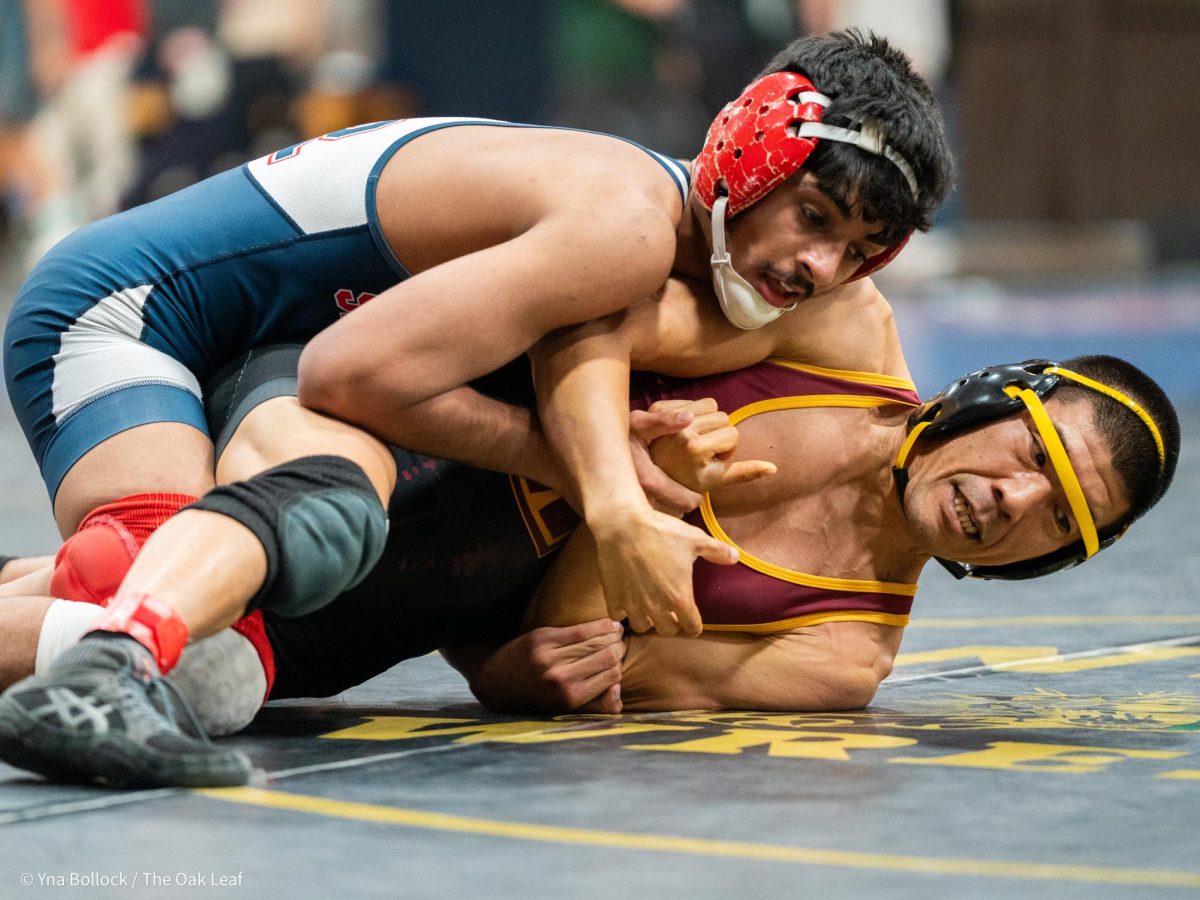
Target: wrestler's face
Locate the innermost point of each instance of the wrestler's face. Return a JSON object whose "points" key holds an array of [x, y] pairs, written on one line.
{"points": [[798, 241], [991, 496]]}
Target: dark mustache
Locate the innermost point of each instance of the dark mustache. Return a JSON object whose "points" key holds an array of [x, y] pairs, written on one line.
{"points": [[794, 281]]}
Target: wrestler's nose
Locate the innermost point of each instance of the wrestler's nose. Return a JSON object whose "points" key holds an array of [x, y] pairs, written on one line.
{"points": [[819, 260], [1017, 494]]}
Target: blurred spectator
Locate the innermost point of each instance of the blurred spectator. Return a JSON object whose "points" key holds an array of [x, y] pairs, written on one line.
{"points": [[23, 185], [181, 101], [273, 45], [85, 51], [657, 71], [220, 83], [921, 28], [345, 86], [470, 57]]}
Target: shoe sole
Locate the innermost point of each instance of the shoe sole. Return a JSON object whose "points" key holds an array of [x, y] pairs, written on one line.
{"points": [[97, 759]]}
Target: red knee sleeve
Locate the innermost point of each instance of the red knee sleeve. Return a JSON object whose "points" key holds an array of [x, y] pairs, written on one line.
{"points": [[251, 627], [92, 562]]}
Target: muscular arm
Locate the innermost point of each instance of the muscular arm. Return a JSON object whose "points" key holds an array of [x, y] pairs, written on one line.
{"points": [[554, 261], [833, 666], [581, 375], [836, 665]]}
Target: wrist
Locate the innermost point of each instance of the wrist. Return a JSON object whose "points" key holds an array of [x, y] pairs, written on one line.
{"points": [[613, 512]]}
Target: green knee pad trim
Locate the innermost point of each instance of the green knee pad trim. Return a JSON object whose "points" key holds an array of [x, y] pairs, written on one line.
{"points": [[329, 541], [320, 523]]}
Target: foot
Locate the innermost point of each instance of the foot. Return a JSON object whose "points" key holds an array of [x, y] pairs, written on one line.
{"points": [[103, 714]]}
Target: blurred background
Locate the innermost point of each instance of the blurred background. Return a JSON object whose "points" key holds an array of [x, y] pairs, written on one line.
{"points": [[1075, 226]]}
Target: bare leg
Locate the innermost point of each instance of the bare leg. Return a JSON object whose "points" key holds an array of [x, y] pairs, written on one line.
{"points": [[20, 628], [16, 569], [207, 566], [165, 456]]}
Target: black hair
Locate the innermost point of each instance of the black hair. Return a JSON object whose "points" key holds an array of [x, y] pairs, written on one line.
{"points": [[1135, 454], [866, 77]]}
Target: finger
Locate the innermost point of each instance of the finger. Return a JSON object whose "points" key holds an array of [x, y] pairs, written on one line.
{"points": [[668, 492], [608, 703], [584, 649], [747, 470], [712, 421], [703, 406], [717, 552], [687, 619], [587, 689], [594, 663], [640, 623], [648, 426], [714, 443], [659, 405], [598, 629]]}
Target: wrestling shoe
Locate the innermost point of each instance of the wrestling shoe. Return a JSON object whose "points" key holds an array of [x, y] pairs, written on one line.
{"points": [[103, 714]]}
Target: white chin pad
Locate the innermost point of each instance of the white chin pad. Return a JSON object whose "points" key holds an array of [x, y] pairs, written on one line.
{"points": [[740, 302]]}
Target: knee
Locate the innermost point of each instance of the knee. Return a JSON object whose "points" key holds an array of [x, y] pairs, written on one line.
{"points": [[91, 564], [321, 525]]}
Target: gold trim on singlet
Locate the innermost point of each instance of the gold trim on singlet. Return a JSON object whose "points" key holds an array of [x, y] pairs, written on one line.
{"points": [[841, 615], [810, 401], [890, 381], [780, 573]]}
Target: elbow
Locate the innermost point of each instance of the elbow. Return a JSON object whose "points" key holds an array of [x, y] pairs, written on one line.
{"points": [[332, 382], [856, 688]]}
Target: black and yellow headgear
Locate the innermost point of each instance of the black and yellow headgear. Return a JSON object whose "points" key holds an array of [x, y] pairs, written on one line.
{"points": [[999, 391]]}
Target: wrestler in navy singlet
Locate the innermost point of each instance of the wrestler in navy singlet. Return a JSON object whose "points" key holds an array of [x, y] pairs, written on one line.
{"points": [[121, 323]]}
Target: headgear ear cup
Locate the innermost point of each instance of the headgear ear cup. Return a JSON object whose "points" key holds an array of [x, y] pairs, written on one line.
{"points": [[764, 137], [753, 145]]}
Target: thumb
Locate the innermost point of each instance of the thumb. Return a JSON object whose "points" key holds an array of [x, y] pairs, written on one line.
{"points": [[747, 470], [646, 426], [717, 552]]}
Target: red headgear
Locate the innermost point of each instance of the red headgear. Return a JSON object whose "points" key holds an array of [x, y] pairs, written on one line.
{"points": [[763, 138]]}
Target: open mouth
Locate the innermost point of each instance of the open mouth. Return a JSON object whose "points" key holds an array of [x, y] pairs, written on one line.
{"points": [[965, 519], [781, 294]]}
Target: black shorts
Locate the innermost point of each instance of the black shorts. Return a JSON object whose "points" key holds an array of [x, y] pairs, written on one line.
{"points": [[460, 562]]}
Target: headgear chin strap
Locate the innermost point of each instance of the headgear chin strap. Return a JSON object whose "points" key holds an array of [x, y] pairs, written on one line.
{"points": [[759, 141], [741, 303], [1000, 391]]}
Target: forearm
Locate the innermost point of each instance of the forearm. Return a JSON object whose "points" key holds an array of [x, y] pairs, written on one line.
{"points": [[582, 383], [571, 591], [469, 427]]}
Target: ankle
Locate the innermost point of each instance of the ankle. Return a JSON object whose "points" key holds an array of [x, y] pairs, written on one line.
{"points": [[151, 622]]}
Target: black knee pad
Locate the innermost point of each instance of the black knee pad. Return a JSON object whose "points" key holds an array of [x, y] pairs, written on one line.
{"points": [[320, 523]]}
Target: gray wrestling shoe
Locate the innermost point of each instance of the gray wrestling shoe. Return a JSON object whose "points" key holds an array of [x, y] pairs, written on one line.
{"points": [[103, 714]]}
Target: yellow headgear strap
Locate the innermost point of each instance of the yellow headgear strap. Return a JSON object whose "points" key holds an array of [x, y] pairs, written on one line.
{"points": [[907, 446], [1120, 398], [1062, 466]]}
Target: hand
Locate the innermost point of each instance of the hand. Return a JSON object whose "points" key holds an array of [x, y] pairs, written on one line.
{"points": [[645, 561], [664, 493], [555, 670], [698, 454]]}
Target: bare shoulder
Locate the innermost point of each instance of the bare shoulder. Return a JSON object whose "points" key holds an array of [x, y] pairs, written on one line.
{"points": [[586, 213], [852, 327]]}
